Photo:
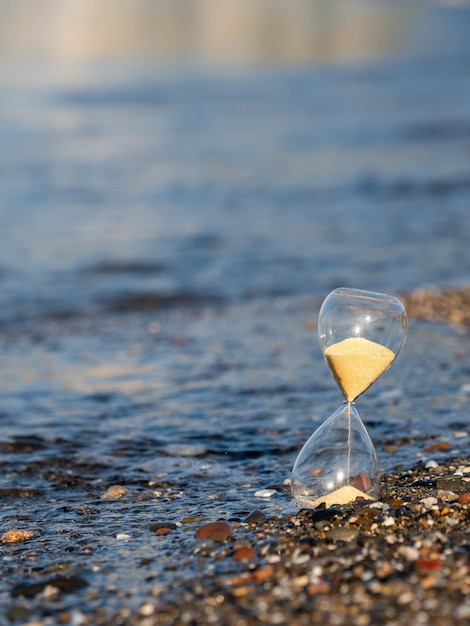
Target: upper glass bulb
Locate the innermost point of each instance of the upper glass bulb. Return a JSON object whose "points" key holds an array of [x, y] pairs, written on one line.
{"points": [[360, 334]]}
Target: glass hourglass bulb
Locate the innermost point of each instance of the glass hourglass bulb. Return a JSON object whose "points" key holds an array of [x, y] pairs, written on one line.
{"points": [[360, 334]]}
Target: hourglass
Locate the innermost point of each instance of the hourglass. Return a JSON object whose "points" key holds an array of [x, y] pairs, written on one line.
{"points": [[360, 334]]}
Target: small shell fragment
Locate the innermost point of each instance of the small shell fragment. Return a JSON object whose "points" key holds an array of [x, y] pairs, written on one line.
{"points": [[115, 492], [17, 536]]}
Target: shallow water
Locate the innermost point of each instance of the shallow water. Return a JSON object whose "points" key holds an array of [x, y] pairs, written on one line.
{"points": [[166, 239]]}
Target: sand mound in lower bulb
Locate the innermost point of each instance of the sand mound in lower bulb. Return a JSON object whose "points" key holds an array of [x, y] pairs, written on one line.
{"points": [[343, 495]]}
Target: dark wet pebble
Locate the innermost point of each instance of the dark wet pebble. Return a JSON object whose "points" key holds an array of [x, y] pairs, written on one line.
{"points": [[452, 483], [64, 584], [255, 518], [19, 613], [322, 515], [159, 525], [424, 482]]}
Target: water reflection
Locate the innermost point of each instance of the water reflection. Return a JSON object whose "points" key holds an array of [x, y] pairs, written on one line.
{"points": [[214, 31]]}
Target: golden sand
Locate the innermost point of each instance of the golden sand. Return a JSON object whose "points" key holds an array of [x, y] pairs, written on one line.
{"points": [[343, 495], [356, 363]]}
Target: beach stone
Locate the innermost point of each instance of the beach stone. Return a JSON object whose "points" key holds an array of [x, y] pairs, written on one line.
{"points": [[115, 492], [343, 534], [424, 482], [265, 493], [429, 501], [447, 496], [244, 553], [17, 536], [255, 517], [62, 583], [452, 483], [155, 526], [217, 531], [322, 515], [465, 498]]}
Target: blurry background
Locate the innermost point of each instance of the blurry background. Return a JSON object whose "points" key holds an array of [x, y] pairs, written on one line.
{"points": [[229, 149]]}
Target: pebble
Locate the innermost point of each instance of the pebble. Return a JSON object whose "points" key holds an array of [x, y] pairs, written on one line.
{"points": [[388, 521], [429, 501], [446, 496], [244, 554], [320, 515], [255, 517], [17, 536], [191, 519], [452, 483], [155, 526], [343, 534], [431, 464], [217, 531], [378, 505], [465, 498], [115, 492], [265, 493]]}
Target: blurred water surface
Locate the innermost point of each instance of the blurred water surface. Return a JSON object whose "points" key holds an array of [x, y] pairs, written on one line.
{"points": [[180, 184]]}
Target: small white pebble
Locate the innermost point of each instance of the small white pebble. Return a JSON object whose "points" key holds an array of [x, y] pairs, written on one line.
{"points": [[50, 591], [430, 464], [265, 493], [410, 553], [388, 521], [147, 609], [301, 559], [429, 501], [123, 536], [406, 597], [376, 505], [466, 469], [460, 434], [115, 492]]}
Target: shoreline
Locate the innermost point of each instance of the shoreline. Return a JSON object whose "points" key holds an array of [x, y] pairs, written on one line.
{"points": [[401, 560]]}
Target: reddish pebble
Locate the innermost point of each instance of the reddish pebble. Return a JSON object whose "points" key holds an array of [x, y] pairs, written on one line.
{"points": [[244, 554], [428, 564], [442, 446], [162, 531], [217, 531], [361, 482], [319, 588], [465, 498], [260, 575]]}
